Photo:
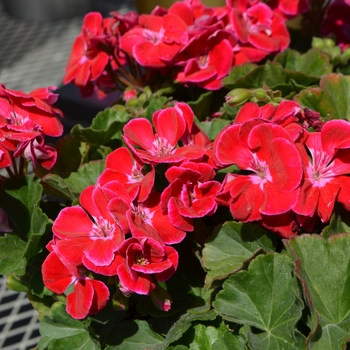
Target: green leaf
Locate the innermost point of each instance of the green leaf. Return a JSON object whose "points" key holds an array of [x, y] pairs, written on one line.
{"points": [[339, 223], [201, 107], [323, 267], [233, 246], [182, 325], [106, 126], [132, 335], [61, 332], [71, 187], [313, 62], [331, 99], [60, 186], [213, 127], [20, 199], [238, 72], [265, 297], [12, 259], [86, 175], [229, 341], [275, 77]]}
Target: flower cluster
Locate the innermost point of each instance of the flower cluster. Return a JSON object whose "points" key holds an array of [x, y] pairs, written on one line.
{"points": [[25, 119], [128, 221], [192, 43], [123, 226]]}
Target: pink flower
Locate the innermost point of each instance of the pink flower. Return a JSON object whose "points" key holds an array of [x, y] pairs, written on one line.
{"points": [[143, 258], [274, 168], [285, 114], [156, 41], [122, 167], [326, 178], [30, 112], [191, 194], [87, 61], [260, 31], [142, 219], [207, 59], [91, 236], [89, 296], [161, 147]]}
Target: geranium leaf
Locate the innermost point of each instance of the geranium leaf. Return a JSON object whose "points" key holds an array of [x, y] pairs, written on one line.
{"points": [[132, 335], [213, 127], [231, 247], [229, 341], [331, 99], [20, 199], [339, 223], [201, 107], [182, 325], [71, 187], [59, 185], [106, 126], [276, 77], [60, 331], [12, 255], [265, 297], [86, 175], [238, 72], [323, 267], [313, 62]]}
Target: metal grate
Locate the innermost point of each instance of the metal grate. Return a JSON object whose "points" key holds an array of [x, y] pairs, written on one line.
{"points": [[33, 55]]}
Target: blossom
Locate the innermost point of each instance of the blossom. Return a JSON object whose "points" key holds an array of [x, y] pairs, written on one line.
{"points": [[325, 173], [143, 258], [88, 297], [170, 125], [191, 194], [122, 167], [30, 112], [260, 31], [87, 61], [142, 219], [156, 41], [207, 59], [274, 168], [91, 242]]}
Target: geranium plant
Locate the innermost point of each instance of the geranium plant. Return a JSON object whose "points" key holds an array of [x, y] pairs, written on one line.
{"points": [[208, 208]]}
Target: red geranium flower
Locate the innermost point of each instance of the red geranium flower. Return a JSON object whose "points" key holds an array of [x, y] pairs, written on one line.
{"points": [[326, 173], [89, 296], [143, 258], [156, 41], [268, 153], [191, 194], [87, 61], [170, 125], [92, 242]]}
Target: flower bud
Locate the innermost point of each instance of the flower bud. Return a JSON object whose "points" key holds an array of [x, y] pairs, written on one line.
{"points": [[260, 94], [237, 96]]}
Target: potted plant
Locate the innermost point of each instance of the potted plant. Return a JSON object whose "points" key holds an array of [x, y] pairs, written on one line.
{"points": [[208, 207]]}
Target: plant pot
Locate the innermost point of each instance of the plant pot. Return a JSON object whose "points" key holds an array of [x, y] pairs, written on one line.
{"points": [[143, 6], [46, 10]]}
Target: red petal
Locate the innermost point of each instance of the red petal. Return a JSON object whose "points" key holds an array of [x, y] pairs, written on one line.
{"points": [[80, 300], [170, 125], [142, 285], [72, 222], [101, 296], [56, 276], [139, 132]]}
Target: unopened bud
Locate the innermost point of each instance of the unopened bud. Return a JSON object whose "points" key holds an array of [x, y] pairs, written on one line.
{"points": [[237, 96], [260, 94]]}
